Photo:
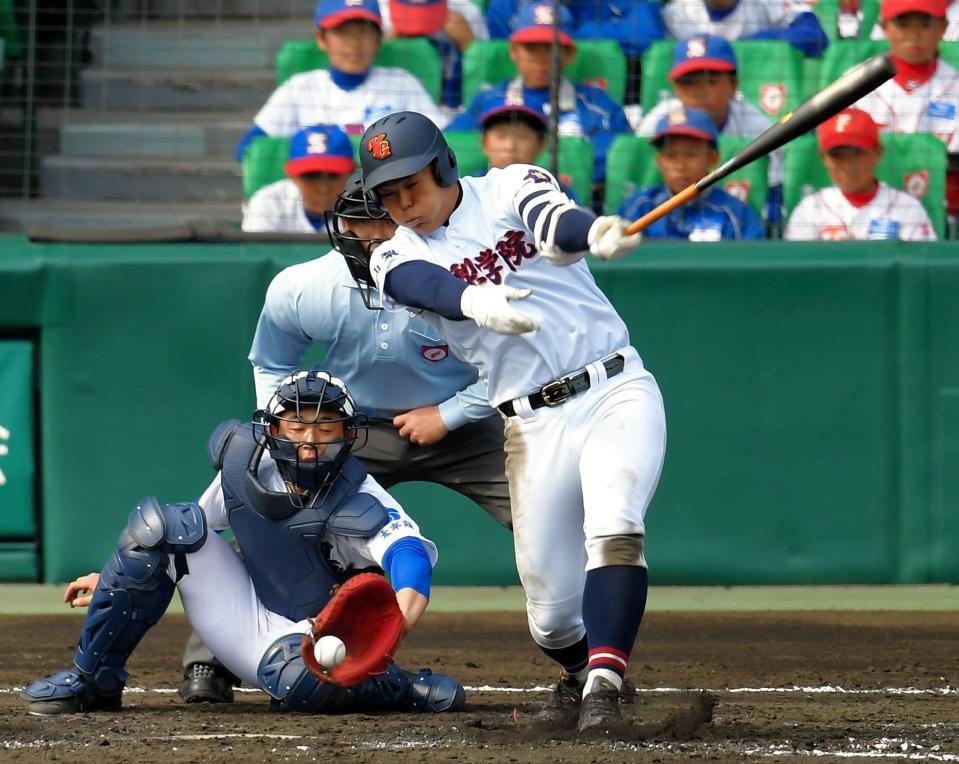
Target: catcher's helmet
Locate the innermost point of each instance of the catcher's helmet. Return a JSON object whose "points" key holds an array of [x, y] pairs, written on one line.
{"points": [[352, 204], [402, 144], [309, 397]]}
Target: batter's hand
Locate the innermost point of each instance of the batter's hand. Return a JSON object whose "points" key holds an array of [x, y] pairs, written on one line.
{"points": [[80, 591], [489, 306], [608, 240], [422, 427]]}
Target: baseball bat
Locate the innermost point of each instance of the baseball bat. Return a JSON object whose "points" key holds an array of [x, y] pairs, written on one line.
{"points": [[845, 91]]}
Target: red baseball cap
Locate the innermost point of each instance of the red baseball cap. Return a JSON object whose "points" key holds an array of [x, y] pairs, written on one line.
{"points": [[851, 127], [418, 17], [893, 8]]}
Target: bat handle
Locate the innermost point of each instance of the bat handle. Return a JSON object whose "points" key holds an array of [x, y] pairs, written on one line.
{"points": [[691, 192]]}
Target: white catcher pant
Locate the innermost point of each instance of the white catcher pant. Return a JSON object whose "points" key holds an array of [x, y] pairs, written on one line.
{"points": [[581, 471], [222, 606]]}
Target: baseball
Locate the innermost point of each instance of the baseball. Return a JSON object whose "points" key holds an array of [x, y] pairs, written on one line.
{"points": [[329, 651]]}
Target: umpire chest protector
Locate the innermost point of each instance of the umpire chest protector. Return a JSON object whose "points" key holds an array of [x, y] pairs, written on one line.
{"points": [[283, 551]]}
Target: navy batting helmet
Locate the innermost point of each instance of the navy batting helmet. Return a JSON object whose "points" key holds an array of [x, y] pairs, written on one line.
{"points": [[310, 398], [401, 144], [353, 205]]}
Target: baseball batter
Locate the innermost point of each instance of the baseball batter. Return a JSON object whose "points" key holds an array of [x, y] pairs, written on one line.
{"points": [[857, 206], [307, 515], [585, 426]]}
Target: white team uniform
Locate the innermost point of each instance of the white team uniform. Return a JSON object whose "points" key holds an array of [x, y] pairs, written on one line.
{"points": [[743, 120], [312, 98], [580, 471], [933, 107], [685, 18], [278, 208], [218, 595], [828, 216], [952, 25]]}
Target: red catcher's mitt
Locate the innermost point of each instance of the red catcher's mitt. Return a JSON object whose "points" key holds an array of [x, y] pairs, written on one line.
{"points": [[365, 615]]}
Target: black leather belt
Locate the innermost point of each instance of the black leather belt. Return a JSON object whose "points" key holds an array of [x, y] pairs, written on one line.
{"points": [[561, 390]]}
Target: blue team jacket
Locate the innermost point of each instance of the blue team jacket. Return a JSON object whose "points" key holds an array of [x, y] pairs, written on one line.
{"points": [[712, 216]]}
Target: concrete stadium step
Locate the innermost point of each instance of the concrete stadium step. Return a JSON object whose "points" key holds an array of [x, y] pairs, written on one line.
{"points": [[193, 45], [140, 134], [16, 215], [139, 179], [177, 90], [226, 9]]}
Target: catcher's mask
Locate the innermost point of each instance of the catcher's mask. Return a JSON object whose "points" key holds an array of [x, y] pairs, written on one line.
{"points": [[353, 205], [310, 426]]}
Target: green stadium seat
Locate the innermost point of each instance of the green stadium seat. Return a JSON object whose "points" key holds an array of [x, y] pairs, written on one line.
{"points": [[827, 11], [264, 160], [910, 161], [417, 55], [770, 74], [598, 62], [575, 160], [842, 55], [631, 166]]}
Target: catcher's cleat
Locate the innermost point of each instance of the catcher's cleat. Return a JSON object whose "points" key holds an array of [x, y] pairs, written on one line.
{"points": [[435, 693], [206, 683], [67, 692], [600, 707], [562, 709]]}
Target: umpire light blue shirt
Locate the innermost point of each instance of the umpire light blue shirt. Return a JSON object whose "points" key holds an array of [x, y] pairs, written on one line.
{"points": [[391, 362]]}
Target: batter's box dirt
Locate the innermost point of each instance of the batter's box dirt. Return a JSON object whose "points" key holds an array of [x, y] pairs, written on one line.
{"points": [[781, 687]]}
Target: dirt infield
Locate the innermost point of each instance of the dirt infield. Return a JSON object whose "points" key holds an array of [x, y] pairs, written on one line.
{"points": [[827, 685]]}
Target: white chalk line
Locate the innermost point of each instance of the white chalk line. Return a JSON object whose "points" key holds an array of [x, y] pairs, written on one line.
{"points": [[828, 689]]}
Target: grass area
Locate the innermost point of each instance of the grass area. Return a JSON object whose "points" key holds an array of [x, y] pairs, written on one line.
{"points": [[37, 598]]}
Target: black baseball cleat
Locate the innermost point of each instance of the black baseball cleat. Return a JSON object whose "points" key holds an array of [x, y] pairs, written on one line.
{"points": [[600, 707], [67, 692], [206, 683], [562, 709]]}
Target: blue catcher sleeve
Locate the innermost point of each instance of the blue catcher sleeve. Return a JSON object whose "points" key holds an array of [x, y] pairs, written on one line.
{"points": [[408, 565]]}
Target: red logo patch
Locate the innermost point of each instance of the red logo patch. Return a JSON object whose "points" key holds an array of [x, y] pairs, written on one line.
{"points": [[772, 98], [916, 183], [379, 146], [434, 353], [834, 233], [738, 189]]}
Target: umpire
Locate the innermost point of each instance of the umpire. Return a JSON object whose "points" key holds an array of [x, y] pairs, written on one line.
{"points": [[430, 417]]}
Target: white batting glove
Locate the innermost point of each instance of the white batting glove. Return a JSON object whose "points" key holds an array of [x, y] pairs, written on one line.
{"points": [[489, 306], [608, 240]]}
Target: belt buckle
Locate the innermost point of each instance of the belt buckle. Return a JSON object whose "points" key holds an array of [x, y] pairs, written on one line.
{"points": [[556, 392]]}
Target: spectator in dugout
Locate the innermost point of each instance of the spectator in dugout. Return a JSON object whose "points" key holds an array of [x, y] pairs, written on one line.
{"points": [[686, 143], [704, 77], [352, 92], [515, 133], [585, 110], [923, 97], [789, 20], [450, 25], [857, 205], [320, 161], [634, 24], [850, 19]]}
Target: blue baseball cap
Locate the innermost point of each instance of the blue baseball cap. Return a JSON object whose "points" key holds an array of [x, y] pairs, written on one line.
{"points": [[418, 17], [694, 123], [320, 148], [332, 13], [534, 23], [512, 103], [705, 52]]}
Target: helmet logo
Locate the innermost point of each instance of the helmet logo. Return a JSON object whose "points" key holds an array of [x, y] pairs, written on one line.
{"points": [[379, 146]]}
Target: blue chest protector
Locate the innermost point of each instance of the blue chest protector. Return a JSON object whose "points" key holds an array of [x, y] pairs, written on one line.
{"points": [[283, 552]]}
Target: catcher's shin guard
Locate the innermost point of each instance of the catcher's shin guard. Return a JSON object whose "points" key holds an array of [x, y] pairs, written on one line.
{"points": [[133, 593]]}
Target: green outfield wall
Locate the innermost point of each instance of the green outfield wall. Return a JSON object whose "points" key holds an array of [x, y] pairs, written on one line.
{"points": [[812, 396]]}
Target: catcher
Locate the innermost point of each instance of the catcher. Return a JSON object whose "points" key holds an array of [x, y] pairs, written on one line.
{"points": [[309, 519]]}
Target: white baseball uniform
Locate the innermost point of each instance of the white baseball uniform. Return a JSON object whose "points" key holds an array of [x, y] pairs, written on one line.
{"points": [[580, 471], [827, 215], [685, 18], [278, 208], [952, 25], [932, 107], [312, 98], [218, 595], [743, 120]]}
